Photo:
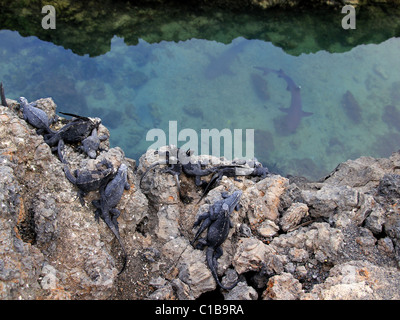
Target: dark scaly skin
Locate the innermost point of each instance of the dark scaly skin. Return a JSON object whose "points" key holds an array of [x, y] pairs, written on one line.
{"points": [[176, 169], [91, 144], [234, 171], [110, 195], [75, 131], [87, 180], [35, 116], [218, 222]]}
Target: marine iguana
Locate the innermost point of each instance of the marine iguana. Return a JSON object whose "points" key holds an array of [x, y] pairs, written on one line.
{"points": [[190, 169], [87, 180], [234, 170], [110, 195], [3, 97], [91, 144], [75, 131], [158, 163], [217, 220], [35, 116]]}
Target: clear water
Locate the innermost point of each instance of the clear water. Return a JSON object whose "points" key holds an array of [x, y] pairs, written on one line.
{"points": [[205, 84]]}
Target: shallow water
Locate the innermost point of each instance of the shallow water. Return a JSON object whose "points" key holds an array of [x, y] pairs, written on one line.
{"points": [[205, 84]]}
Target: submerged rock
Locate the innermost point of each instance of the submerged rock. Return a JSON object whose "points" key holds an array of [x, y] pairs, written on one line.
{"points": [[351, 107], [391, 116], [291, 239]]}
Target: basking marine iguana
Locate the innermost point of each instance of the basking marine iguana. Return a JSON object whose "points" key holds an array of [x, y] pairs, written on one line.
{"points": [[234, 170], [91, 144], [75, 131], [78, 129], [255, 169], [218, 222], [35, 116], [190, 169], [110, 195], [87, 180]]}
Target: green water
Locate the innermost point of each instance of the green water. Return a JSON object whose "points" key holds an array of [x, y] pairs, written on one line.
{"points": [[197, 68]]}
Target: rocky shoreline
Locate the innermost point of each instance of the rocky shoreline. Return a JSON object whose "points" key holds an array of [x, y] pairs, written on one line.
{"points": [[338, 238]]}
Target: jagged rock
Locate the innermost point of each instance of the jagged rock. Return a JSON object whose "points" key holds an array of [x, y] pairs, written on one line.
{"points": [[330, 199], [168, 227], [241, 292], [252, 255], [392, 225], [182, 290], [293, 216], [319, 239], [283, 287], [358, 280], [198, 277], [20, 262], [261, 202], [164, 293], [386, 245], [389, 187], [268, 229], [58, 226], [191, 265], [363, 173], [392, 228], [158, 282], [161, 188], [298, 255]]}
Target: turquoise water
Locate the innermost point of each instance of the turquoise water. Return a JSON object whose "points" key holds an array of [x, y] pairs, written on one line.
{"points": [[205, 84]]}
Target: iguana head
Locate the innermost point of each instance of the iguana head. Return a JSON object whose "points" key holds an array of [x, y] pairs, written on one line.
{"points": [[22, 100]]}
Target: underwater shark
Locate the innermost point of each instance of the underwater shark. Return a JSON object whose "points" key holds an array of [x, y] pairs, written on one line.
{"points": [[294, 113], [221, 64]]}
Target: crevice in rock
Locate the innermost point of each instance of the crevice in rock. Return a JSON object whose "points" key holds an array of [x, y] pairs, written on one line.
{"points": [[26, 227], [214, 295], [257, 280], [316, 274], [142, 227]]}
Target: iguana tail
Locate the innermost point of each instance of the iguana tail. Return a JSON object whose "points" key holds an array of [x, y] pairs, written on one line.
{"points": [[213, 179], [114, 230], [3, 97], [212, 264], [148, 169], [75, 116], [125, 257], [68, 173]]}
